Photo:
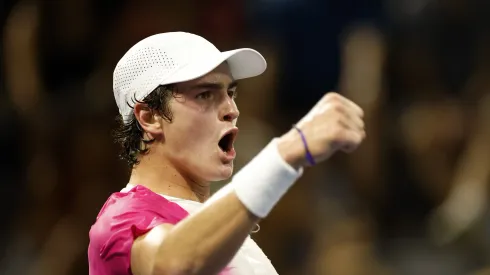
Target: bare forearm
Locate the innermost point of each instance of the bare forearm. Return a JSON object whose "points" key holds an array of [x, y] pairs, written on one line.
{"points": [[210, 238]]}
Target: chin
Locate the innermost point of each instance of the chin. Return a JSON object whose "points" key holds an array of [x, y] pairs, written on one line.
{"points": [[224, 172]]}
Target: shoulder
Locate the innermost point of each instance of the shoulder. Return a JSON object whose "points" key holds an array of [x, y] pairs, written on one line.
{"points": [[127, 215], [138, 207]]}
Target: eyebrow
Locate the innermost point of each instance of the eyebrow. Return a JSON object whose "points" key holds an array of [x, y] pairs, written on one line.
{"points": [[215, 86]]}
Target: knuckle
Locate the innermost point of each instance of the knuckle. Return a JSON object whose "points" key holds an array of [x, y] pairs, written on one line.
{"points": [[337, 106], [334, 107], [360, 137], [361, 112], [362, 124], [338, 123], [332, 96]]}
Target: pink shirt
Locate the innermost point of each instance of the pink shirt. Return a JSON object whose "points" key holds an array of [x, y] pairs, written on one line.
{"points": [[123, 218]]}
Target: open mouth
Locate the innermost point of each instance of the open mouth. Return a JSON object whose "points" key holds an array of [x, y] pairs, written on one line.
{"points": [[226, 142]]}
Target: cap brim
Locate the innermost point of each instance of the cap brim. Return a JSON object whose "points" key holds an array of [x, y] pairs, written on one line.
{"points": [[244, 63]]}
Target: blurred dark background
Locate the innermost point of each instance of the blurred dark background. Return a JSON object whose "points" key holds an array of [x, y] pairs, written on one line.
{"points": [[412, 200]]}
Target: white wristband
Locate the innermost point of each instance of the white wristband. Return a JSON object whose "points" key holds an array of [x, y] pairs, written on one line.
{"points": [[263, 181]]}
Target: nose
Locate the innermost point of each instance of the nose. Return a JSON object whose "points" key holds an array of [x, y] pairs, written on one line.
{"points": [[229, 110]]}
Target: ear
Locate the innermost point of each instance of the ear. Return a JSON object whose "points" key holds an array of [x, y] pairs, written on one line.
{"points": [[148, 120]]}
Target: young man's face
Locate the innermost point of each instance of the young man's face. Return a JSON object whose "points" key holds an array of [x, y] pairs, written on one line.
{"points": [[204, 111]]}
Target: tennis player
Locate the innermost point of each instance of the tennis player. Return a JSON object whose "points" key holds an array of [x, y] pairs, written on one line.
{"points": [[175, 93]]}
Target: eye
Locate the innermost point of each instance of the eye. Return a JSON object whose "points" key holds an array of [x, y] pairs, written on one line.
{"points": [[204, 95], [233, 94]]}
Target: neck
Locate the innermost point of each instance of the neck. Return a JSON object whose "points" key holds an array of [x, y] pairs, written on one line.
{"points": [[164, 178]]}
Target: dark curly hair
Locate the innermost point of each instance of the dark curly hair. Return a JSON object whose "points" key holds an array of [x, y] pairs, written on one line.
{"points": [[130, 135]]}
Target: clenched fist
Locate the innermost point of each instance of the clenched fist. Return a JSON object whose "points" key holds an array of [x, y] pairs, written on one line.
{"points": [[334, 124]]}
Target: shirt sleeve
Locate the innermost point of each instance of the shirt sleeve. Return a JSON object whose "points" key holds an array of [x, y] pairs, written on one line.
{"points": [[124, 221]]}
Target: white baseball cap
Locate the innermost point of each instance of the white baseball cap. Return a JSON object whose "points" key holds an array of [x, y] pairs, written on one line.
{"points": [[174, 57]]}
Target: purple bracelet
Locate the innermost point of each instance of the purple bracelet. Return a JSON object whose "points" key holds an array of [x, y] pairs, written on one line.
{"points": [[309, 157]]}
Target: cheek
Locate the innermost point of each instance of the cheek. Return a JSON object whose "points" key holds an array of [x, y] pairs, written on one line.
{"points": [[192, 130], [192, 145]]}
